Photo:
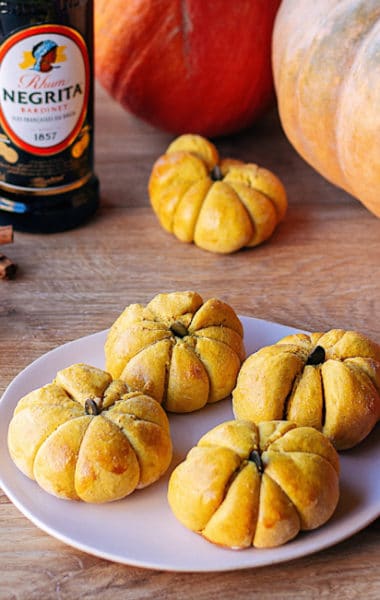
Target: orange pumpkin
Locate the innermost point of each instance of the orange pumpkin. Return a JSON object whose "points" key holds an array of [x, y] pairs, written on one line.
{"points": [[327, 77], [187, 66]]}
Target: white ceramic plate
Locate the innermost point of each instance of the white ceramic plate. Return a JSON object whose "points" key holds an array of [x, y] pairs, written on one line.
{"points": [[141, 530]]}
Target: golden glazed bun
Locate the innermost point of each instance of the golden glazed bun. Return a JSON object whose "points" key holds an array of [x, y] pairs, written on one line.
{"points": [[222, 205], [330, 381], [256, 485], [180, 350], [87, 437]]}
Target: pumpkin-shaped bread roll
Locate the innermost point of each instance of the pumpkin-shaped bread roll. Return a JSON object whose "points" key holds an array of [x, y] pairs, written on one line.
{"points": [[256, 485], [222, 205], [330, 381], [87, 437], [180, 350]]}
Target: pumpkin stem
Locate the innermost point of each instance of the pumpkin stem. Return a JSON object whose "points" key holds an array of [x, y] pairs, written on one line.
{"points": [[216, 173], [317, 356], [256, 458], [179, 329], [91, 407]]}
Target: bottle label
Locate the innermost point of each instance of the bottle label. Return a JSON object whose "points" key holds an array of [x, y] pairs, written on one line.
{"points": [[44, 90]]}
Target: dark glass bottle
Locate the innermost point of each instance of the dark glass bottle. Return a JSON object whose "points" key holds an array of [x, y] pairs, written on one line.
{"points": [[47, 183]]}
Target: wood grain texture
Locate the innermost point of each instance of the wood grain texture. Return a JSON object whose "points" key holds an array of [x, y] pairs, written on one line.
{"points": [[321, 269]]}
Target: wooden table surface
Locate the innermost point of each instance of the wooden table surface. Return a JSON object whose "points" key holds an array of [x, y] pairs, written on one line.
{"points": [[319, 270]]}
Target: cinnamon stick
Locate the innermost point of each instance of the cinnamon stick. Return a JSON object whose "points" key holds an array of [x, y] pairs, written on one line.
{"points": [[7, 267], [6, 234]]}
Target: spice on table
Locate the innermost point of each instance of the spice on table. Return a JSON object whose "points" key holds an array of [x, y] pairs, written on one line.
{"points": [[6, 234], [7, 267]]}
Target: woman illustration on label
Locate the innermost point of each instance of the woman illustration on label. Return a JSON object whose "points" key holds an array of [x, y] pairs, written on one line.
{"points": [[45, 54]]}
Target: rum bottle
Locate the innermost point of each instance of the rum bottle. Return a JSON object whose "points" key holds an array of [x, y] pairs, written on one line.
{"points": [[47, 183]]}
